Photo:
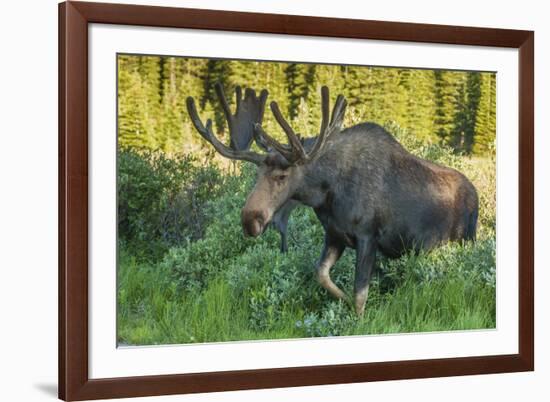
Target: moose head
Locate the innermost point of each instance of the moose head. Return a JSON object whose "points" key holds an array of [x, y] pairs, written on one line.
{"points": [[281, 171]]}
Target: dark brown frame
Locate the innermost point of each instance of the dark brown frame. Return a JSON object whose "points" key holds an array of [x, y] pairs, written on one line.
{"points": [[74, 383]]}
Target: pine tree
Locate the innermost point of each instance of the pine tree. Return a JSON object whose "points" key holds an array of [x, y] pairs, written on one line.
{"points": [[245, 73], [390, 95], [135, 126], [190, 84], [216, 71], [403, 97], [171, 130], [473, 91], [356, 87], [299, 81], [271, 76], [485, 124], [450, 93], [420, 106], [461, 137]]}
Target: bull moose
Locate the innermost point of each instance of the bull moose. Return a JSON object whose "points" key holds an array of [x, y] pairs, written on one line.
{"points": [[368, 192]]}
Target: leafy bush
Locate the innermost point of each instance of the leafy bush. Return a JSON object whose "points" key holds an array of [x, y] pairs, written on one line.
{"points": [[161, 200], [195, 262], [334, 320]]}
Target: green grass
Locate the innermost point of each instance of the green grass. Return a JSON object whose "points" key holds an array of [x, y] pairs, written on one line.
{"points": [[261, 294], [158, 314]]}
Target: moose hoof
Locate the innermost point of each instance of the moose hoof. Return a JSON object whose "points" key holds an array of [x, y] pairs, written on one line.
{"points": [[360, 311], [360, 302]]}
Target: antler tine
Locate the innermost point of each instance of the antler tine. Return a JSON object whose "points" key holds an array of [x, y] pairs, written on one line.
{"points": [[337, 118], [208, 135], [264, 139], [238, 97], [325, 108], [223, 100], [293, 139], [260, 139], [263, 99], [327, 129]]}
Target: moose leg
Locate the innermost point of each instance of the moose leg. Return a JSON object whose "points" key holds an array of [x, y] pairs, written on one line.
{"points": [[331, 253], [281, 226], [284, 246], [366, 253], [280, 221]]}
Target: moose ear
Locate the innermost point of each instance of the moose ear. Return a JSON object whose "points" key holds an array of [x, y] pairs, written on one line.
{"points": [[276, 160], [338, 113], [259, 138]]}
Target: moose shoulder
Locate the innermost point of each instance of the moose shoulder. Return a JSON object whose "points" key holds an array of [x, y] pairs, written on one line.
{"points": [[368, 192]]}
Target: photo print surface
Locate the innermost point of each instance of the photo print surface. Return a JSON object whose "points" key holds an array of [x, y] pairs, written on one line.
{"points": [[263, 200]]}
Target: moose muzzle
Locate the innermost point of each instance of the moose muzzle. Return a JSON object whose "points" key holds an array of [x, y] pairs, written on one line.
{"points": [[254, 222]]}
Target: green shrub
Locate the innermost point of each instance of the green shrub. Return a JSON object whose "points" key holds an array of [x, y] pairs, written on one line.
{"points": [[194, 263], [161, 200]]}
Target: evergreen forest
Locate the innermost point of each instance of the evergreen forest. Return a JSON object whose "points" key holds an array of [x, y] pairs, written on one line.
{"points": [[454, 108]]}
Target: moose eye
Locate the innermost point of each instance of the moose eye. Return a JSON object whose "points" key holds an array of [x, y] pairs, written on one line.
{"points": [[281, 177]]}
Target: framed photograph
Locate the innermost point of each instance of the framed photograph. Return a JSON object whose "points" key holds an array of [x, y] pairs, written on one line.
{"points": [[261, 200]]}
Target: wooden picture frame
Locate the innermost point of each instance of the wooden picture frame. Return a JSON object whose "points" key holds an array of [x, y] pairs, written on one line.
{"points": [[74, 381]]}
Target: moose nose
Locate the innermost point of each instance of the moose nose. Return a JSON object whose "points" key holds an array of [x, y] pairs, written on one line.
{"points": [[253, 222]]}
